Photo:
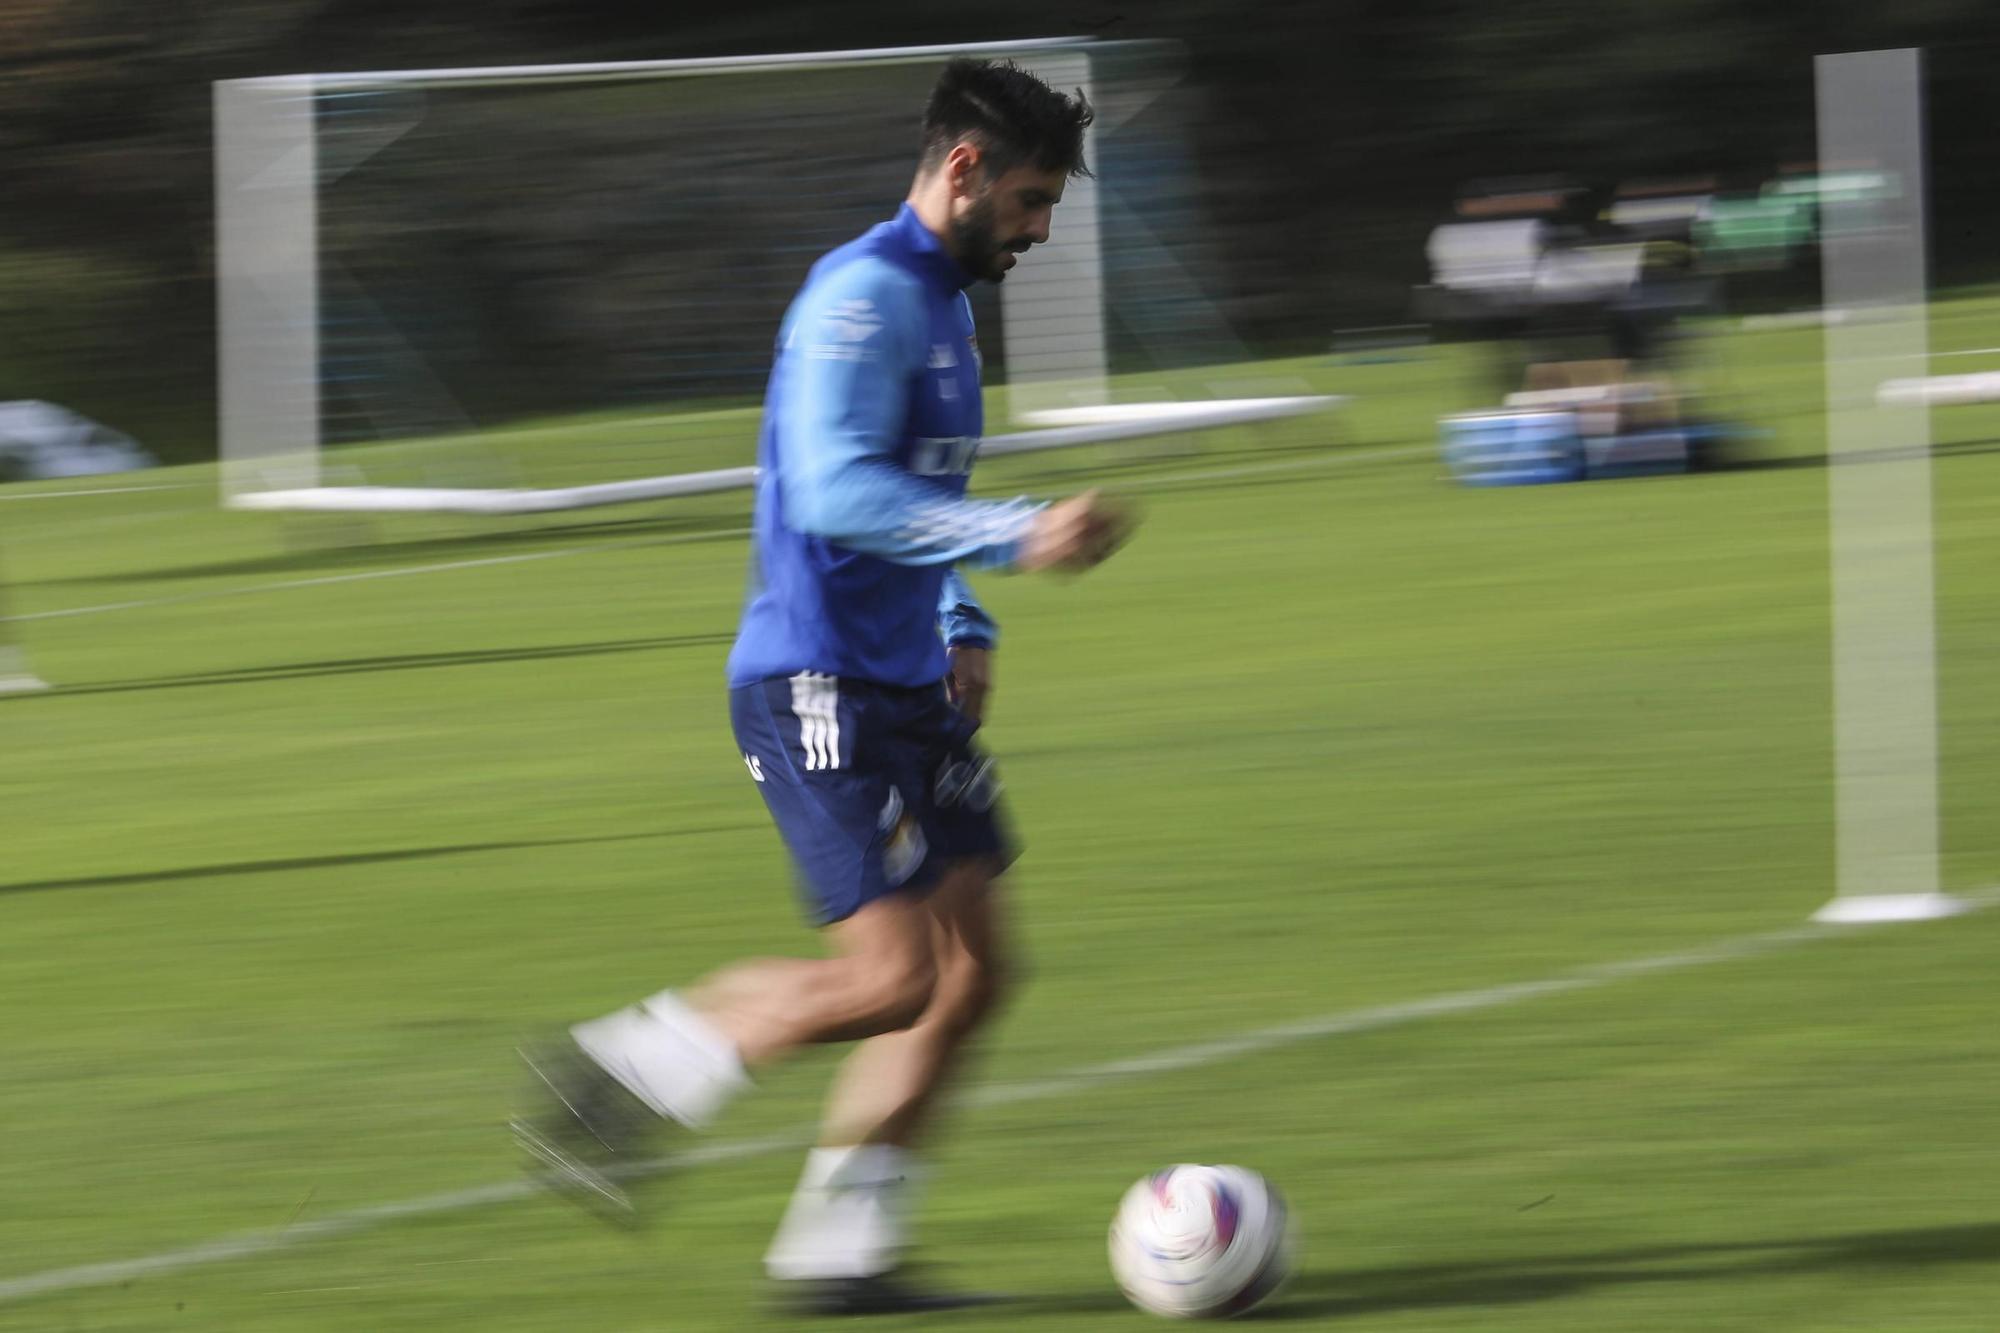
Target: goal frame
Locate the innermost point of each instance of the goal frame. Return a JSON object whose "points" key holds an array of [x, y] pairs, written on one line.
{"points": [[267, 192]]}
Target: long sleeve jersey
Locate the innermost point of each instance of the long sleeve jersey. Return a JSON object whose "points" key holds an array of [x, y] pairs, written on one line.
{"points": [[872, 420]]}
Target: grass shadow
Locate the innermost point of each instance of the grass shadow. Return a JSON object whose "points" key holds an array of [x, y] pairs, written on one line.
{"points": [[285, 671], [227, 869], [358, 551], [1330, 1294]]}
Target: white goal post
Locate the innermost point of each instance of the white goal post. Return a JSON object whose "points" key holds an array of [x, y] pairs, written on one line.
{"points": [[15, 676], [1879, 520], [285, 147]]}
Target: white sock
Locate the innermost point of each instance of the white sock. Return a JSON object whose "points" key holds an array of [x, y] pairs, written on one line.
{"points": [[847, 1216], [671, 1058]]}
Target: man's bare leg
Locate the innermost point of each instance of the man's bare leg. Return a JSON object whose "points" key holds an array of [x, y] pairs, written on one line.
{"points": [[686, 1053], [880, 979], [846, 1219], [885, 1089], [684, 1056]]}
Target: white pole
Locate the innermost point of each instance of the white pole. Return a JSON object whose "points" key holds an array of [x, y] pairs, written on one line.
{"points": [[15, 678], [267, 284], [1052, 307], [1879, 497]]}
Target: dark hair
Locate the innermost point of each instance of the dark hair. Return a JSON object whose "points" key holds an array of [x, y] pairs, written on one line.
{"points": [[1013, 116]]}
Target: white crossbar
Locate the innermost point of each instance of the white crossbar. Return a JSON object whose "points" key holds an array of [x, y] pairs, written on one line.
{"points": [[605, 71], [1097, 425], [1940, 390]]}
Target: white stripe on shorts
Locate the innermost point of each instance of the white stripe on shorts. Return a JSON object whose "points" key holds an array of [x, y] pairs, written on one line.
{"points": [[802, 710], [816, 704], [832, 721]]}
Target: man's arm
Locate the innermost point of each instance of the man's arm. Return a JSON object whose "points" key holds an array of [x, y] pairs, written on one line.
{"points": [[971, 635], [855, 342], [963, 620]]}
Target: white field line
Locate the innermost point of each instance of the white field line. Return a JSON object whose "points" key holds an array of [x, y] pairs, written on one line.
{"points": [[250, 1244], [1135, 483]]}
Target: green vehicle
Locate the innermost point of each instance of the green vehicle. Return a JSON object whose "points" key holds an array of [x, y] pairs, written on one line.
{"points": [[1781, 225]]}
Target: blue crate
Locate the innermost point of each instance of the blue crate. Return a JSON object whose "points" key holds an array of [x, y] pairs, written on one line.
{"points": [[1639, 453], [1512, 448]]}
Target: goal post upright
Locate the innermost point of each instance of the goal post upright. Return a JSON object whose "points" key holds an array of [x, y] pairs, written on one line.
{"points": [[1053, 309], [267, 284], [1880, 529], [15, 675]]}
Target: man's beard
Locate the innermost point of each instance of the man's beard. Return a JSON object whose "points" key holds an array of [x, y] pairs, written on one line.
{"points": [[978, 250]]}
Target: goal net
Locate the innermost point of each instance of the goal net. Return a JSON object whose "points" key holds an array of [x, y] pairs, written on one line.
{"points": [[532, 288]]}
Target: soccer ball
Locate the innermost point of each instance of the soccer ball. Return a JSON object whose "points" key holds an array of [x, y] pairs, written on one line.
{"points": [[1200, 1242]]}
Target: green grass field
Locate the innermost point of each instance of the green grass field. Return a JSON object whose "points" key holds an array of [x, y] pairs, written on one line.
{"points": [[329, 812]]}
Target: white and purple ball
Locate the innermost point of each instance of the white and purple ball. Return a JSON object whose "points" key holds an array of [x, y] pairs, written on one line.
{"points": [[1201, 1242]]}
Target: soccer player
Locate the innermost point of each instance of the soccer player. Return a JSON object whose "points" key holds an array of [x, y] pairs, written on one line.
{"points": [[857, 682]]}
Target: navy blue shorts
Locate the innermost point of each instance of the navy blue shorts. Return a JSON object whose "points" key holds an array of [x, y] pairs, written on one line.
{"points": [[875, 789]]}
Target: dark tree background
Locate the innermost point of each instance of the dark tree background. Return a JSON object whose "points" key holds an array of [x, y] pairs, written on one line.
{"points": [[1329, 137]]}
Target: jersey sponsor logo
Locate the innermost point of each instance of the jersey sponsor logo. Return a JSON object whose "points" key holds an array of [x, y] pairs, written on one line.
{"points": [[942, 357], [943, 456]]}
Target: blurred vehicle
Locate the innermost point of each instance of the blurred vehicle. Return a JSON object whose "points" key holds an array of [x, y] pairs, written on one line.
{"points": [[1580, 293], [40, 440]]}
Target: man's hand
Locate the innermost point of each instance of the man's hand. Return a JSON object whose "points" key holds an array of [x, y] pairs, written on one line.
{"points": [[1076, 533], [971, 680]]}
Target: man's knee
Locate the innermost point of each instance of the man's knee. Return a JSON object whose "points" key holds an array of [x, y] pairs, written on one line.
{"points": [[902, 989], [972, 986], [890, 971], [984, 985], [979, 969], [890, 987]]}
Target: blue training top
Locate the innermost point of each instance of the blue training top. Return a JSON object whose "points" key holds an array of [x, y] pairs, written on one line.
{"points": [[872, 420]]}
